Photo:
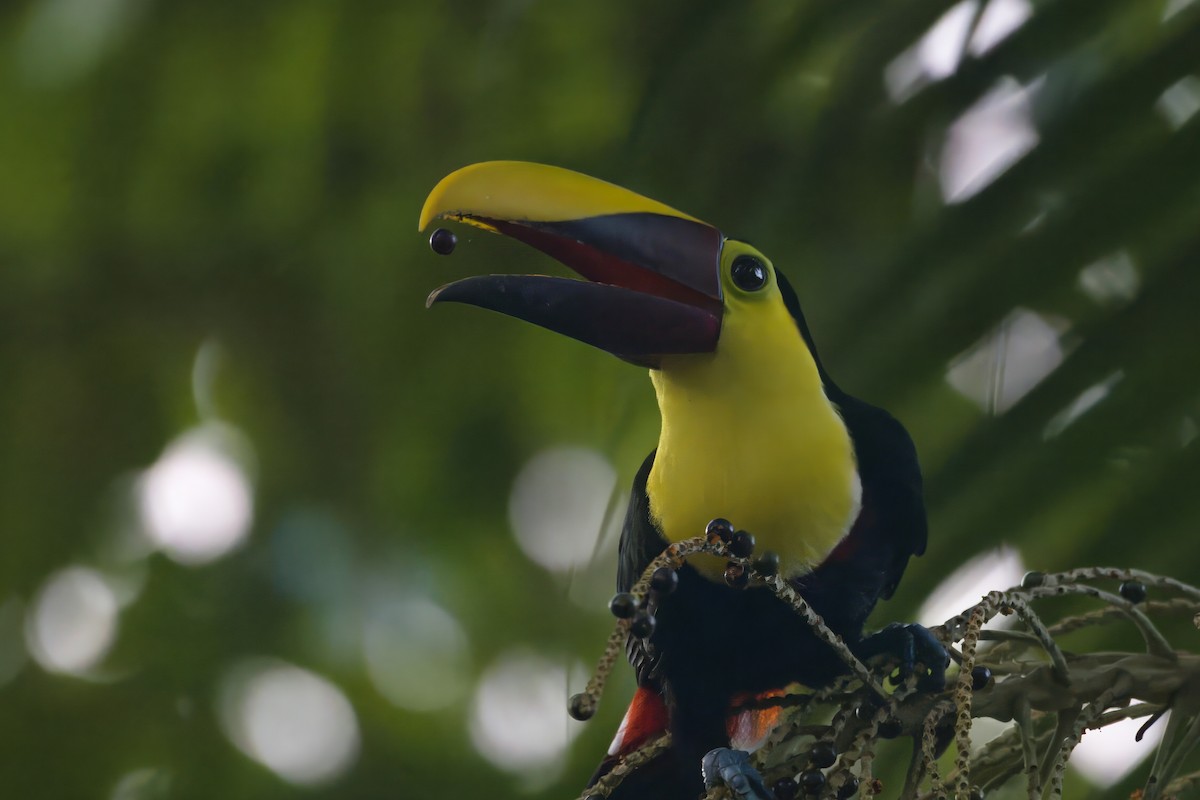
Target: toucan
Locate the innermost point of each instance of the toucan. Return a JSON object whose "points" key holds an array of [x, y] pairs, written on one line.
{"points": [[754, 430]]}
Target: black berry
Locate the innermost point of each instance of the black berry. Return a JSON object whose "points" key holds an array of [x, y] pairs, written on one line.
{"points": [[785, 788], [976, 793], [870, 704], [580, 708], [443, 242], [980, 678], [643, 624], [848, 789], [742, 544], [719, 530], [1133, 591], [812, 781], [1033, 579], [822, 754], [767, 564], [735, 575], [623, 605], [664, 580]]}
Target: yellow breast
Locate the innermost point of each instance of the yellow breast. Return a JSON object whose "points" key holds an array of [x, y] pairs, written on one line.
{"points": [[748, 434]]}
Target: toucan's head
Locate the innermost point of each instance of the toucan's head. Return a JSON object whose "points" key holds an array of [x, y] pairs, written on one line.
{"points": [[658, 282], [732, 364]]}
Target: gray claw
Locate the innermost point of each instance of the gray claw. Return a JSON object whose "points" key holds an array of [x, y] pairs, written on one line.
{"points": [[732, 768]]}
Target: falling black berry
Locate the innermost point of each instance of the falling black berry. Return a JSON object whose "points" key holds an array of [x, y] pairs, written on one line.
{"points": [[822, 754], [767, 564], [785, 788], [981, 677], [1133, 591], [742, 544], [580, 707], [812, 781], [719, 530], [664, 580], [735, 575], [643, 624], [623, 605], [443, 242], [848, 789], [1033, 579]]}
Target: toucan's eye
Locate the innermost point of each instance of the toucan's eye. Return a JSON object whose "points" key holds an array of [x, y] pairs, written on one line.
{"points": [[749, 273]]}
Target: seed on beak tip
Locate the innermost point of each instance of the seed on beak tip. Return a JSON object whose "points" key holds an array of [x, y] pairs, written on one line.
{"points": [[443, 241]]}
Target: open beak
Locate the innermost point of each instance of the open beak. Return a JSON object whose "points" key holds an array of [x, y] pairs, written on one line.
{"points": [[653, 284]]}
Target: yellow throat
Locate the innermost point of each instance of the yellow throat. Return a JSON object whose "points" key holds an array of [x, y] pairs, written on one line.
{"points": [[748, 434]]}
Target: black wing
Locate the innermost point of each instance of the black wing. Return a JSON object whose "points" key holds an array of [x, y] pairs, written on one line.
{"points": [[640, 544]]}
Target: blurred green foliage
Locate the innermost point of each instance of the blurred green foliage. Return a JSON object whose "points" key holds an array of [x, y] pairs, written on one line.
{"points": [[243, 181]]}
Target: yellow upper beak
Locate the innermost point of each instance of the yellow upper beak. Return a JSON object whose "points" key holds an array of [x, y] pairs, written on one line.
{"points": [[653, 283], [520, 191]]}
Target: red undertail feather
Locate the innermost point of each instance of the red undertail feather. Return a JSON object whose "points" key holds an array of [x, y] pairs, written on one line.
{"points": [[645, 719], [748, 728], [748, 725]]}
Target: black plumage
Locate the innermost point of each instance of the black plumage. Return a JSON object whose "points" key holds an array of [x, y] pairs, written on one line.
{"points": [[713, 642]]}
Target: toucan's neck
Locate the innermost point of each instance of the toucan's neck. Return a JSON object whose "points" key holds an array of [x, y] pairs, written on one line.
{"points": [[749, 434]]}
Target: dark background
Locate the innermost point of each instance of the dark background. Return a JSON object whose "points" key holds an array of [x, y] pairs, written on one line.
{"points": [[212, 293]]}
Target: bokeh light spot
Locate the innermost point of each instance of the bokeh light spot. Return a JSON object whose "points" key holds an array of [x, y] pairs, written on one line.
{"points": [[294, 722], [987, 139], [73, 621], [1009, 361], [558, 503], [1174, 7], [942, 47], [938, 53], [196, 501], [1112, 279], [64, 39], [416, 653], [963, 588], [519, 716], [934, 57], [1000, 18], [1180, 101], [1106, 755], [1088, 399], [148, 783]]}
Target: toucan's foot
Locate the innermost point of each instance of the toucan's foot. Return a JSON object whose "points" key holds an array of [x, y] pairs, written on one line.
{"points": [[731, 768], [912, 644]]}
